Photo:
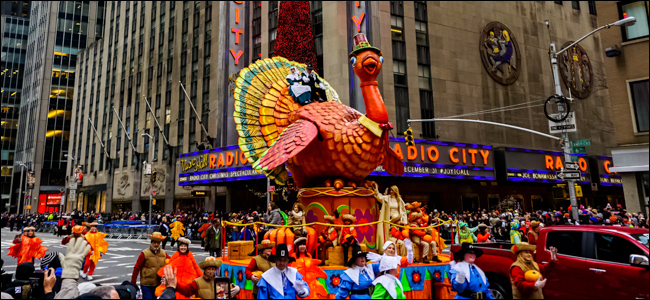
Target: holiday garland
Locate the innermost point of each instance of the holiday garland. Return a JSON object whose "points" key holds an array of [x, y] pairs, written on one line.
{"points": [[295, 40]]}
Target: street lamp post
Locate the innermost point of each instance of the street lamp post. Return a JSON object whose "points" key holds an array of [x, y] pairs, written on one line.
{"points": [[20, 189], [67, 182], [558, 91], [153, 150]]}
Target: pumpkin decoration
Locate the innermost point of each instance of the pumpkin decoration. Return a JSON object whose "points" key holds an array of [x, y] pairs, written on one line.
{"points": [[427, 238], [532, 276]]}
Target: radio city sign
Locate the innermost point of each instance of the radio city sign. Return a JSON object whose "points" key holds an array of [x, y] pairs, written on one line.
{"points": [[529, 165], [215, 165], [443, 160]]}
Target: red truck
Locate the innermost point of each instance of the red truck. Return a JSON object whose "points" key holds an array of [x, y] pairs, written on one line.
{"points": [[594, 262]]}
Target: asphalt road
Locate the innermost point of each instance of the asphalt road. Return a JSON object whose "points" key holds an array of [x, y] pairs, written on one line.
{"points": [[115, 266]]}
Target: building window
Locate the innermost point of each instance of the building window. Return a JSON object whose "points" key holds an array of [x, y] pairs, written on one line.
{"points": [[426, 109], [273, 23], [558, 2], [639, 92], [402, 107], [316, 8], [397, 28], [575, 5], [592, 7], [639, 10], [424, 77]]}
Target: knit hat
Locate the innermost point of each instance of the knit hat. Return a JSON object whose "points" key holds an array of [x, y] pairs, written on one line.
{"points": [[52, 260], [184, 240], [24, 271]]}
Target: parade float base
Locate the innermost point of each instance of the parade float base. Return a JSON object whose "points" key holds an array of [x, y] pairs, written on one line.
{"points": [[418, 280]]}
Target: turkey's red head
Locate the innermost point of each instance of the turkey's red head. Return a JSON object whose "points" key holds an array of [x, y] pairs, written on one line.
{"points": [[367, 65]]}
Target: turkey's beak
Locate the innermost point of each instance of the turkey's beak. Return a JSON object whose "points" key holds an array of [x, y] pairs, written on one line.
{"points": [[370, 65]]}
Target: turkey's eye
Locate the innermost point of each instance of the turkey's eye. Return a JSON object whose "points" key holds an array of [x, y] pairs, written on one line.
{"points": [[353, 60], [381, 59]]}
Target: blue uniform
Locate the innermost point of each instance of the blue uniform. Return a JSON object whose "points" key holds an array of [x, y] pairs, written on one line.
{"points": [[475, 284], [266, 291], [347, 284]]}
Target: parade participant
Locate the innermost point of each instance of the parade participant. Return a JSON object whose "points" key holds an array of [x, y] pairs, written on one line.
{"points": [[392, 210], [148, 264], [533, 234], [234, 229], [164, 231], [185, 264], [523, 287], [203, 286], [483, 234], [348, 235], [297, 217], [437, 243], [465, 234], [202, 229], [65, 225], [315, 84], [300, 93], [247, 233], [388, 286], [177, 230], [213, 238], [27, 246], [260, 264], [77, 231], [417, 235], [282, 281], [356, 280], [309, 269], [390, 251], [467, 279], [98, 247], [328, 238], [515, 235]]}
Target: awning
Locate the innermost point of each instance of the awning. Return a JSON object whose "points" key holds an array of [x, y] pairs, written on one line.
{"points": [[630, 160]]}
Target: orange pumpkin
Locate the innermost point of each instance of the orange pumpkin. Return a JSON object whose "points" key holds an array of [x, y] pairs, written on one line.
{"points": [[532, 276], [427, 238]]}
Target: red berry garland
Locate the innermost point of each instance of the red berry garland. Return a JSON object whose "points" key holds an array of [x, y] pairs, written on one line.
{"points": [[295, 40]]}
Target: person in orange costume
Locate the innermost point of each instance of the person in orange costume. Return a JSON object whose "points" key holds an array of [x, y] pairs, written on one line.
{"points": [[328, 238], [348, 235], [185, 264], [99, 246], [27, 246], [202, 229], [483, 235], [522, 288], [309, 269]]}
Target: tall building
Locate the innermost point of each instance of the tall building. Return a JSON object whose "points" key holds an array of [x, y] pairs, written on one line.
{"points": [[14, 27], [58, 29], [440, 59], [626, 69]]}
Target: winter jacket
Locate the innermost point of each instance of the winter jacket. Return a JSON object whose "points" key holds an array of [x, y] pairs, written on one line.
{"points": [[212, 238], [274, 217]]}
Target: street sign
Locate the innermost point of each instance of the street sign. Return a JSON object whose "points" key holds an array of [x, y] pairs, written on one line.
{"points": [[572, 166], [72, 195], [578, 191], [271, 188], [568, 175], [581, 143], [568, 125], [72, 185], [147, 169], [62, 200]]}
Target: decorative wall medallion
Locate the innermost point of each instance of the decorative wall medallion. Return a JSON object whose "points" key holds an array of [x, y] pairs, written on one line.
{"points": [[500, 53], [122, 184], [576, 71]]}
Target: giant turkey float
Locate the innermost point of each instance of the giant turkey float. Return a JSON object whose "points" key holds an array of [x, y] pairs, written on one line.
{"points": [[328, 149]]}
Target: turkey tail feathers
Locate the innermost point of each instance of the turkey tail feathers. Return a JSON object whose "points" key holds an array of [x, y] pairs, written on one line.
{"points": [[263, 108]]}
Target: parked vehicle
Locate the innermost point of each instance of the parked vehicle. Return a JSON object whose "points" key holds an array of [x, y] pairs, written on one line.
{"points": [[594, 262]]}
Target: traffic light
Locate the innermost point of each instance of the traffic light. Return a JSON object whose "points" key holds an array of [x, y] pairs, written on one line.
{"points": [[408, 136], [153, 176]]}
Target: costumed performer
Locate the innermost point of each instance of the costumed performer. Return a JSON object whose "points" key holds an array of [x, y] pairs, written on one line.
{"points": [[348, 235], [526, 275], [533, 233], [388, 286], [357, 280], [515, 235], [77, 231], [436, 242], [27, 246], [483, 235], [203, 286], [202, 229], [150, 261], [185, 264], [282, 281], [177, 230], [467, 279], [297, 217], [247, 232], [260, 264], [308, 268], [389, 251], [392, 210], [99, 247], [465, 234], [316, 85], [300, 93], [328, 238]]}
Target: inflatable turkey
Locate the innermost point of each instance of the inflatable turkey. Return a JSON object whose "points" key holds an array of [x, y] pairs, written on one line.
{"points": [[319, 142]]}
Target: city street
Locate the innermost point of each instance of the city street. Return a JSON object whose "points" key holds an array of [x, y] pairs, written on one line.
{"points": [[115, 267]]}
